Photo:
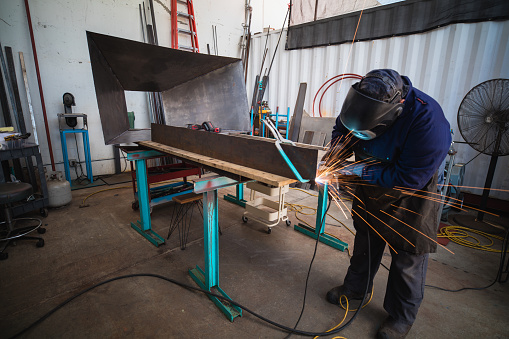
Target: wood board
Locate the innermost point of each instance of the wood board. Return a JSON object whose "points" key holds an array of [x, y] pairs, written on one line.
{"points": [[243, 171]]}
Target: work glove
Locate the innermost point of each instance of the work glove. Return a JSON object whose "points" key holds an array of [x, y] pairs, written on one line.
{"points": [[321, 166], [352, 168]]}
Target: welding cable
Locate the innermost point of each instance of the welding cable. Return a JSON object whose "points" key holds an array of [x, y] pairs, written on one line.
{"points": [[186, 286], [103, 190], [342, 320], [220, 297], [313, 195], [457, 290], [339, 327], [366, 304], [298, 209], [499, 272], [337, 78], [312, 228], [460, 234], [309, 270], [300, 189]]}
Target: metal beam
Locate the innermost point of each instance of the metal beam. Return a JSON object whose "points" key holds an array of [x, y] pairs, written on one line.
{"points": [[252, 152]]}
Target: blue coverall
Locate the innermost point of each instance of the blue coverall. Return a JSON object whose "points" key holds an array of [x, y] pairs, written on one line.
{"points": [[409, 152]]}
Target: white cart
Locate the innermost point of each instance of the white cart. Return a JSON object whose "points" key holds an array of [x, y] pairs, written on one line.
{"points": [[264, 210]]}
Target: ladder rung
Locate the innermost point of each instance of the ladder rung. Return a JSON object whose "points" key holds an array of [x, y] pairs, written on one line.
{"points": [[186, 31], [185, 15], [182, 2], [188, 48]]}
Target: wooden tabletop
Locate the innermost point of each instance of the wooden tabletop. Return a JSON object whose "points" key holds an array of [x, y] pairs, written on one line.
{"points": [[261, 176]]}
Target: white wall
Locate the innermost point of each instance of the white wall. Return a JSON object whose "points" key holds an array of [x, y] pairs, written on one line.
{"points": [[59, 29], [445, 63]]}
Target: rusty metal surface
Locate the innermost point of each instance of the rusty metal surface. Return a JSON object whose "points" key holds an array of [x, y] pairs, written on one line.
{"points": [[216, 97], [257, 153], [195, 87]]}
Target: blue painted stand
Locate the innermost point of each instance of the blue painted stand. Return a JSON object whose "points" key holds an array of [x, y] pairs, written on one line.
{"points": [[144, 226], [208, 279], [86, 146], [238, 198], [318, 231]]}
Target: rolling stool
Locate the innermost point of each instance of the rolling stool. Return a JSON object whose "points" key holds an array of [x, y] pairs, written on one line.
{"points": [[11, 192]]}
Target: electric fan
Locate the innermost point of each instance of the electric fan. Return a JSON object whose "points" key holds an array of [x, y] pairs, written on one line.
{"points": [[483, 121]]}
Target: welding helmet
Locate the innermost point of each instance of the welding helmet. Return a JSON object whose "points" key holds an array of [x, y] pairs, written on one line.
{"points": [[373, 104]]}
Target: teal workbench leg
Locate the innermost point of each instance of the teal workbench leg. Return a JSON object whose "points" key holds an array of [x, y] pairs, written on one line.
{"points": [[88, 158], [66, 157], [318, 231], [143, 226], [239, 198], [208, 279]]}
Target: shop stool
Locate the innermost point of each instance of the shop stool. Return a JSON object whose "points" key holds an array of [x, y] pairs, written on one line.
{"points": [[183, 214], [10, 193]]}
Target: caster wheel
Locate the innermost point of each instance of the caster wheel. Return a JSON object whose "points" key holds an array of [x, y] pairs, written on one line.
{"points": [[269, 230], [4, 256], [40, 243], [135, 206], [244, 218], [288, 223], [41, 230], [44, 212]]}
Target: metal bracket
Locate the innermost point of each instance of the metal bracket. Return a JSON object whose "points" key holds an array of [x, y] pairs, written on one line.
{"points": [[229, 310]]}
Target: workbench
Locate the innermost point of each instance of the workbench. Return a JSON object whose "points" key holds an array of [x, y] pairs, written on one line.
{"points": [[142, 191], [229, 174]]}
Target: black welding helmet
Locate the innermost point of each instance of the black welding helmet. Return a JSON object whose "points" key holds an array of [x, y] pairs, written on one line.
{"points": [[373, 104]]}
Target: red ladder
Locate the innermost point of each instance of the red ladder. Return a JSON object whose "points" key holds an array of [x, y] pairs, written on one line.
{"points": [[176, 30]]}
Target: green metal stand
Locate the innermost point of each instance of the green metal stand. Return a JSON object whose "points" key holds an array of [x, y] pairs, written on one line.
{"points": [[318, 231], [208, 279], [239, 198]]}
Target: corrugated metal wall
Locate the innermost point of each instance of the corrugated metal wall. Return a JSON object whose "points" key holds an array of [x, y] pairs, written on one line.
{"points": [[445, 63]]}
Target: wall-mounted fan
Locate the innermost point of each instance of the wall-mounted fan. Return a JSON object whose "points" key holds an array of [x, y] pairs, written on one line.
{"points": [[483, 121]]}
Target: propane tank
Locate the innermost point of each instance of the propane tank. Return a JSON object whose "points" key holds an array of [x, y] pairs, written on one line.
{"points": [[59, 190]]}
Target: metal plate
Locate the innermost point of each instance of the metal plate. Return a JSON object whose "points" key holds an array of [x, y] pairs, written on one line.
{"points": [[213, 183], [195, 87]]}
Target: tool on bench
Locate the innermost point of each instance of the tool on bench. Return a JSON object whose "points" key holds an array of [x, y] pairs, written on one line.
{"points": [[194, 126], [207, 125]]}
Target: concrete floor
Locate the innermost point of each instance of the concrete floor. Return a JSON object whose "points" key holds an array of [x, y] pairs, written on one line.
{"points": [[264, 272]]}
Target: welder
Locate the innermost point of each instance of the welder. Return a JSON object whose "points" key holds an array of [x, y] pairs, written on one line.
{"points": [[400, 138]]}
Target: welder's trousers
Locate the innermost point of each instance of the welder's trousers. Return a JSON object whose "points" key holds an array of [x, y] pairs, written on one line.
{"points": [[407, 275]]}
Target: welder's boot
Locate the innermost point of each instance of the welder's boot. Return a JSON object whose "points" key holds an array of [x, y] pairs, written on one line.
{"points": [[334, 295], [392, 329]]}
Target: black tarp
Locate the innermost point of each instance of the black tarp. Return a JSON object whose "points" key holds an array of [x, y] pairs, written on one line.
{"points": [[401, 18]]}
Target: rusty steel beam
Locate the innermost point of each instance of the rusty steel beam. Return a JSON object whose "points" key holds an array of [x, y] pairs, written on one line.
{"points": [[252, 152]]}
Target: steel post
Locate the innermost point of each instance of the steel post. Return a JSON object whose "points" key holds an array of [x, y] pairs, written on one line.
{"points": [[318, 231], [208, 278], [143, 226], [238, 198]]}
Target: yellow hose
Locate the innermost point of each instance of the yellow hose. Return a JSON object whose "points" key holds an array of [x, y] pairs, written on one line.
{"points": [[342, 320], [461, 234]]}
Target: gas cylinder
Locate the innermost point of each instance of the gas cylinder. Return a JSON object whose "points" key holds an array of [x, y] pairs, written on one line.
{"points": [[59, 190]]}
